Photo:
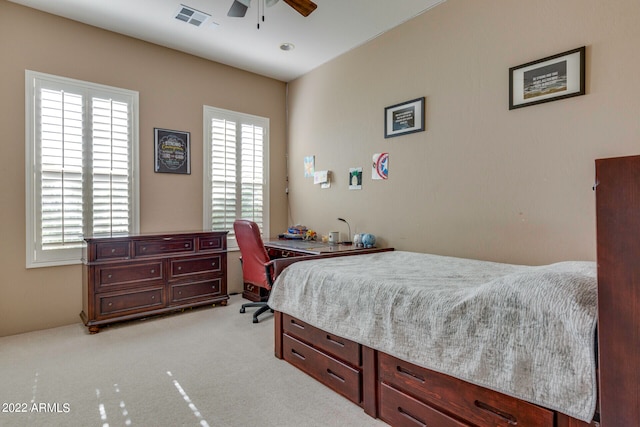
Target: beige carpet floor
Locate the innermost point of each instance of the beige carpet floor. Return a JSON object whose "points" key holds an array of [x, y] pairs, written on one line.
{"points": [[203, 367]]}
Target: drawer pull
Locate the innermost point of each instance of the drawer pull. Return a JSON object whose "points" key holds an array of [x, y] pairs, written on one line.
{"points": [[153, 297], [510, 419], [332, 341], [296, 324], [186, 245], [110, 304], [179, 292], [153, 270], [300, 356], [144, 248], [410, 374], [250, 288], [179, 268], [213, 264], [334, 375], [411, 417], [113, 251], [109, 276]]}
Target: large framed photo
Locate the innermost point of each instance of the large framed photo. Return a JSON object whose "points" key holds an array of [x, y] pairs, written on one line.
{"points": [[404, 118], [172, 151], [549, 79]]}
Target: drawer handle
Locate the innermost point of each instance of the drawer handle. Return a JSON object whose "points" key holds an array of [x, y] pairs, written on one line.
{"points": [[109, 276], [153, 297], [410, 374], [179, 268], [144, 248], [418, 421], [186, 245], [113, 251], [153, 270], [179, 292], [250, 288], [213, 264], [110, 304], [332, 341], [298, 355], [334, 375], [510, 419], [296, 324]]}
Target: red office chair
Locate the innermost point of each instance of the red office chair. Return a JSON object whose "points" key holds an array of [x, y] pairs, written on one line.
{"points": [[257, 268]]}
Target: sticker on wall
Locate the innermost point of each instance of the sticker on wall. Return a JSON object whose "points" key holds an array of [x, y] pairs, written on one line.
{"points": [[355, 178], [309, 166], [380, 166], [322, 178]]}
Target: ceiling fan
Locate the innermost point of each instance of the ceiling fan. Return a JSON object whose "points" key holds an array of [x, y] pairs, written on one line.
{"points": [[303, 7]]}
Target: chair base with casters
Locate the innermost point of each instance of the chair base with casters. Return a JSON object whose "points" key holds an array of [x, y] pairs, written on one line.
{"points": [[263, 307]]}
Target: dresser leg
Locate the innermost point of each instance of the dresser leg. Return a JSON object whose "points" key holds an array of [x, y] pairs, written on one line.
{"points": [[94, 329]]}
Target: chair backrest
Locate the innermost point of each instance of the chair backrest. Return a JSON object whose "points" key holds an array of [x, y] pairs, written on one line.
{"points": [[254, 254]]}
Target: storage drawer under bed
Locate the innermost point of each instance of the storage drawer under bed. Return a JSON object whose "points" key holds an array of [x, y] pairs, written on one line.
{"points": [[475, 404], [333, 373]]}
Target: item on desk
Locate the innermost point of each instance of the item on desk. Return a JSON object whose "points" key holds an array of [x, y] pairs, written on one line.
{"points": [[334, 237], [325, 238], [368, 240], [357, 240], [310, 235]]}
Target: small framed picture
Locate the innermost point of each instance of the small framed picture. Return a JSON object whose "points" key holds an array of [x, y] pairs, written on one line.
{"points": [[172, 151], [404, 118], [548, 79]]}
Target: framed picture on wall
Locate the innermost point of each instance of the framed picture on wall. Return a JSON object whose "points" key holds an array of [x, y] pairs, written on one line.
{"points": [[404, 118], [172, 151], [548, 79]]}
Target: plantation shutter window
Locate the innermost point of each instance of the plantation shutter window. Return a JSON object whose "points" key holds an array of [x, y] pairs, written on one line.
{"points": [[81, 163], [235, 165]]}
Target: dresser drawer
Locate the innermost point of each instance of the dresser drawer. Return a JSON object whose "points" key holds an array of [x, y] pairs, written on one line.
{"points": [[163, 246], [195, 291], [211, 243], [120, 275], [476, 405], [336, 375], [180, 267], [343, 349], [111, 250], [123, 303], [401, 410]]}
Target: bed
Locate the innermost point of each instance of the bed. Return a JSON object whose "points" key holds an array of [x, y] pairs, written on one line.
{"points": [[420, 339]]}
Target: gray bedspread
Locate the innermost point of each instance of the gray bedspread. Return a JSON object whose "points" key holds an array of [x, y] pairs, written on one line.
{"points": [[525, 331]]}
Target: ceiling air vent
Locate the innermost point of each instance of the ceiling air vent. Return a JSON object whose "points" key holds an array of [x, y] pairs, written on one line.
{"points": [[190, 15]]}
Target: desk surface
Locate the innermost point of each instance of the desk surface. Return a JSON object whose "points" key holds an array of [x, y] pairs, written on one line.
{"points": [[311, 247]]}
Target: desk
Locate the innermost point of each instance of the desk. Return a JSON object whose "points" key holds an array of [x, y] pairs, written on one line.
{"points": [[298, 250], [283, 248]]}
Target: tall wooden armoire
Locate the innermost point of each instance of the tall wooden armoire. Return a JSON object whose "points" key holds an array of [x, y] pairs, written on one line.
{"points": [[618, 253]]}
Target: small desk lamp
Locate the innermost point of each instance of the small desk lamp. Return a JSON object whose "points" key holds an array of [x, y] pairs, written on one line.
{"points": [[348, 241]]}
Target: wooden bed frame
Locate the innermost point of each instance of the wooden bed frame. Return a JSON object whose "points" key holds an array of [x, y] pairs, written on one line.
{"points": [[403, 394], [400, 393]]}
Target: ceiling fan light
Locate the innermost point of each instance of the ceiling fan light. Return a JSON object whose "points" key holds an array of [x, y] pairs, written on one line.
{"points": [[287, 46]]}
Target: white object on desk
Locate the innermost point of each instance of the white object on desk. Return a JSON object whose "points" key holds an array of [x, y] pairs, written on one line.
{"points": [[334, 237]]}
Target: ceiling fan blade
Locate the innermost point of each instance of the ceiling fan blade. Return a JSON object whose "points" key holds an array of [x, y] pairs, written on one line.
{"points": [[303, 7], [239, 8]]}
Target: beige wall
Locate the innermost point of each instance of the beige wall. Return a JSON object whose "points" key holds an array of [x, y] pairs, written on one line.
{"points": [[173, 88], [482, 181]]}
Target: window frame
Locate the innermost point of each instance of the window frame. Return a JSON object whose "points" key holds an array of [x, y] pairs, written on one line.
{"points": [[210, 113], [35, 256]]}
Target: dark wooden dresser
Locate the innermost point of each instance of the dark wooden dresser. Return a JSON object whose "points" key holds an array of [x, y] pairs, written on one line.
{"points": [[137, 276]]}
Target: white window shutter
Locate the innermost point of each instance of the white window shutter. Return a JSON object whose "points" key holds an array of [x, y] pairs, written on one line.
{"points": [[235, 170]]}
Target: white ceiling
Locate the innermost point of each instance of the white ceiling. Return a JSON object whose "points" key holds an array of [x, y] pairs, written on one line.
{"points": [[334, 28]]}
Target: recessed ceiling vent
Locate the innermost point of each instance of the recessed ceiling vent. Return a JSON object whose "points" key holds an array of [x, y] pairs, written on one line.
{"points": [[191, 16]]}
